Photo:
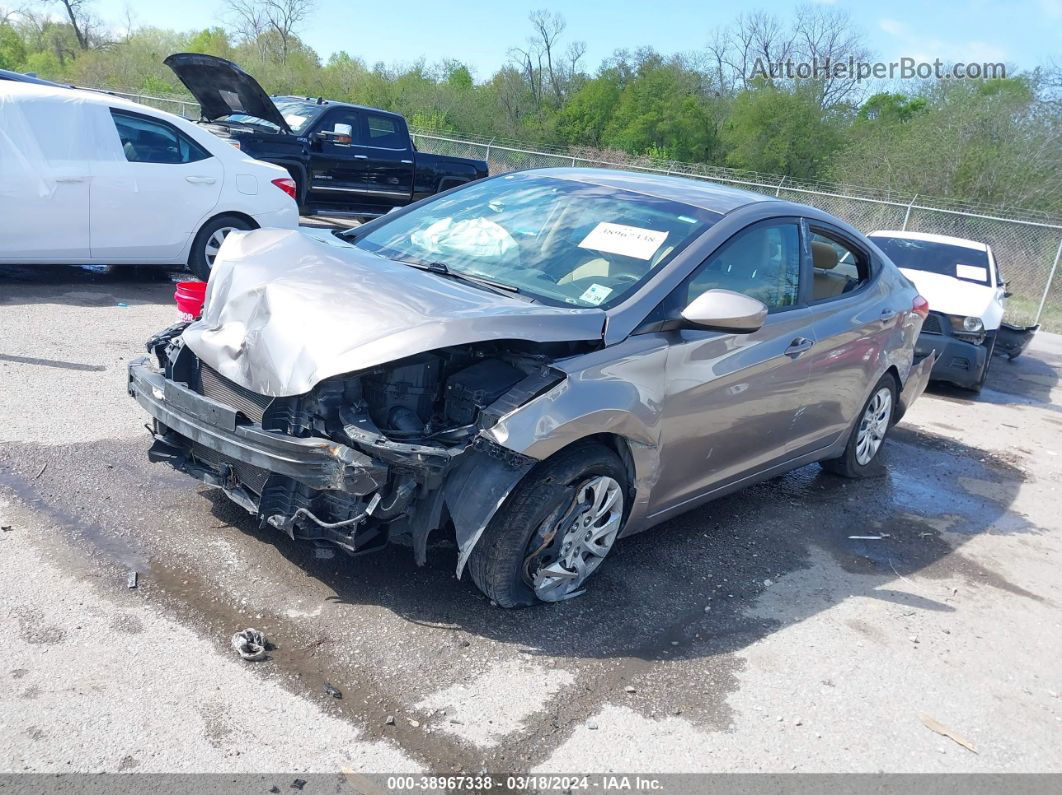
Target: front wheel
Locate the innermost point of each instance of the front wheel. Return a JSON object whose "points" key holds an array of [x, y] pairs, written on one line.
{"points": [[554, 530], [860, 458], [208, 241]]}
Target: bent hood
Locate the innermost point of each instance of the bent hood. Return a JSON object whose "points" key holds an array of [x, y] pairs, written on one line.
{"points": [[223, 88], [957, 297], [285, 311]]}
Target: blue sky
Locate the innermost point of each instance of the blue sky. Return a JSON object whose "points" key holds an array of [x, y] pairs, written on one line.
{"points": [[479, 32]]}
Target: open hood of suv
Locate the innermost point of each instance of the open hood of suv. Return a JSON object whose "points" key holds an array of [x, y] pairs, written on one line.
{"points": [[222, 88], [285, 311]]}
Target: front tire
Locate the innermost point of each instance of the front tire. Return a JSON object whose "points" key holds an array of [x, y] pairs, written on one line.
{"points": [[208, 241], [554, 530], [860, 458]]}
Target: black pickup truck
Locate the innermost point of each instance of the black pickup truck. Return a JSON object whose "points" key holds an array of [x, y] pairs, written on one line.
{"points": [[346, 160]]}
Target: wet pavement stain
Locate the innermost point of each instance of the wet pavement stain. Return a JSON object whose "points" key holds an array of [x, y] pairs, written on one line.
{"points": [[388, 634]]}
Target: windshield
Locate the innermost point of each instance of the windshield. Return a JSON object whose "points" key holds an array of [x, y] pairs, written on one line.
{"points": [[961, 262], [556, 240], [297, 113]]}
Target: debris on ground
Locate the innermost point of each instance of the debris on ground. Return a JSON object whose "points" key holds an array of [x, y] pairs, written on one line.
{"points": [[390, 720], [332, 690], [130, 580], [591, 726], [865, 538], [414, 723], [41, 470], [298, 783], [7, 528], [768, 583], [934, 725], [250, 644], [630, 689]]}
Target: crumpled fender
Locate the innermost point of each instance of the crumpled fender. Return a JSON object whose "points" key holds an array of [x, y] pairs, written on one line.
{"points": [[476, 488]]}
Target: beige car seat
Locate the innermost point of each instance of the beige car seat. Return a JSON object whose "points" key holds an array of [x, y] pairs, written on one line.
{"points": [[827, 284], [601, 268]]}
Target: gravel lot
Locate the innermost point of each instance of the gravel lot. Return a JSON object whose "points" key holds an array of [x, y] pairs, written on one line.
{"points": [[749, 635]]}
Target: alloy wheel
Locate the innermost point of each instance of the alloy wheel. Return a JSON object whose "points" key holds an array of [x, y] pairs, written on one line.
{"points": [[874, 425], [213, 243], [572, 549]]}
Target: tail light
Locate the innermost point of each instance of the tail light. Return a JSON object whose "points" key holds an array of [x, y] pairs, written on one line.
{"points": [[920, 306], [286, 184]]}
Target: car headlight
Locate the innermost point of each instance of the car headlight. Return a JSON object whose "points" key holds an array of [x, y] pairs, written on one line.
{"points": [[972, 324]]}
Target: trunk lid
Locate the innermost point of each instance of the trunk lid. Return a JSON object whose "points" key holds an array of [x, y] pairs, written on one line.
{"points": [[285, 311], [222, 88]]}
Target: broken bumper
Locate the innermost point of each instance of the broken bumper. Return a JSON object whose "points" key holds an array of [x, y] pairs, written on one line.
{"points": [[184, 416], [916, 382], [958, 361]]}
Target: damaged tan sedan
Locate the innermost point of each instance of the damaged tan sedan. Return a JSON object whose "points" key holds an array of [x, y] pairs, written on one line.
{"points": [[533, 365]]}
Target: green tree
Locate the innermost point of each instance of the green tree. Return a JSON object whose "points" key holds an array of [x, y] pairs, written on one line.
{"points": [[779, 131], [662, 108], [12, 48]]}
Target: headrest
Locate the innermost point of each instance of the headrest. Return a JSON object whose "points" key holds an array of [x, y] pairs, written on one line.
{"points": [[823, 255]]}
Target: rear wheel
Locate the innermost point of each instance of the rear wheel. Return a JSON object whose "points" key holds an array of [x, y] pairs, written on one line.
{"points": [[208, 241], [555, 529], [860, 458]]}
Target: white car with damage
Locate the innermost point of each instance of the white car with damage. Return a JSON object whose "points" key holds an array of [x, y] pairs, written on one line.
{"points": [[961, 281]]}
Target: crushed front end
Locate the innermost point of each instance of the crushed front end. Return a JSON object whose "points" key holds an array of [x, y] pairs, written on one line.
{"points": [[388, 454]]}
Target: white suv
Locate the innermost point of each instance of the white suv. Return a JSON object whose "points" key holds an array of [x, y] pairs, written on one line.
{"points": [[89, 178]]}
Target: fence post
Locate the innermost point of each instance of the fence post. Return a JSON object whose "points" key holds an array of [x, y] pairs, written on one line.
{"points": [[781, 182], [907, 215], [1047, 287], [486, 155]]}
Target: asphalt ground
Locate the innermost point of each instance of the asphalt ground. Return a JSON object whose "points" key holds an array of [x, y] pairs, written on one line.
{"points": [[752, 634]]}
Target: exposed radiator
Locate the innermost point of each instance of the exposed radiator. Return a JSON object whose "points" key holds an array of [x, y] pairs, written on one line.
{"points": [[217, 387]]}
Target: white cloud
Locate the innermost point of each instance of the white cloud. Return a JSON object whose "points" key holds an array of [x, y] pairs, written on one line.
{"points": [[928, 48], [892, 27]]}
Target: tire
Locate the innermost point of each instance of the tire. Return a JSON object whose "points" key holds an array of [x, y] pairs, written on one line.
{"points": [[990, 343], [504, 563], [852, 464], [201, 257]]}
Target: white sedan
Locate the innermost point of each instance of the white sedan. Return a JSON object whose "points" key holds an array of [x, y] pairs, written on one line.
{"points": [[89, 178]]}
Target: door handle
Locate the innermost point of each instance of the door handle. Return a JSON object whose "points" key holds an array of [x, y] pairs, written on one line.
{"points": [[887, 315], [798, 346], [361, 157], [201, 180]]}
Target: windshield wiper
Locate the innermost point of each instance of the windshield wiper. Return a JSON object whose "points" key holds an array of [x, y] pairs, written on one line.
{"points": [[479, 281]]}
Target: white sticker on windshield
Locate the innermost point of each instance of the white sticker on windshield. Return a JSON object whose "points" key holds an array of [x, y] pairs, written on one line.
{"points": [[972, 272], [595, 294], [630, 241]]}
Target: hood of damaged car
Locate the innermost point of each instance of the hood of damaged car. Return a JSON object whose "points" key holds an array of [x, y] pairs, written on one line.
{"points": [[285, 311]]}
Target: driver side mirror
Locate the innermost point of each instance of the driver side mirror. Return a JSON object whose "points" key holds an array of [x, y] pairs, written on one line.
{"points": [[340, 134], [725, 310]]}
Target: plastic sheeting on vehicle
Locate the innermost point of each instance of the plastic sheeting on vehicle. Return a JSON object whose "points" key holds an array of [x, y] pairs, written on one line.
{"points": [[48, 135]]}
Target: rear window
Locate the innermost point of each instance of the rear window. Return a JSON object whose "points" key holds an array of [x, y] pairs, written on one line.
{"points": [[385, 131], [960, 262]]}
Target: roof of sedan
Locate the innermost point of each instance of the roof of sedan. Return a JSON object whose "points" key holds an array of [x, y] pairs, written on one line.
{"points": [[695, 192]]}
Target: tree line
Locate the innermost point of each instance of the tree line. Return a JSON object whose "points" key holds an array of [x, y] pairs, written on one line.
{"points": [[996, 141]]}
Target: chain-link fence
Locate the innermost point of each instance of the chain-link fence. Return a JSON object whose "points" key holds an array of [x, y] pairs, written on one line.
{"points": [[1027, 245]]}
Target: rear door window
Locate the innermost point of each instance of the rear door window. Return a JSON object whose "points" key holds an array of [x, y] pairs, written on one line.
{"points": [[838, 267], [385, 132], [147, 140]]}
